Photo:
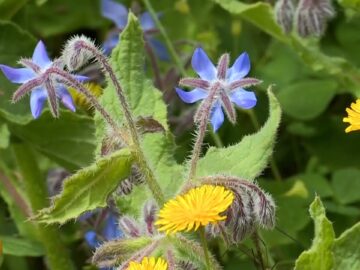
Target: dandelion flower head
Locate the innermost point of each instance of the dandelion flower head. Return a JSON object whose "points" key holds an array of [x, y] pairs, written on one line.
{"points": [[198, 207]]}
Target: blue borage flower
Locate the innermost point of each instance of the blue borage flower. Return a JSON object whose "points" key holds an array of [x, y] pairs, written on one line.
{"points": [[226, 84], [118, 13], [109, 232], [33, 78]]}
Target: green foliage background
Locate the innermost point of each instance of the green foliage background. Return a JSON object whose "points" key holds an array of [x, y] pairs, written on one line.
{"points": [[306, 158]]}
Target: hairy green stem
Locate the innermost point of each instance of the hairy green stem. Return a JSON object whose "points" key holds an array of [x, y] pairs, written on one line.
{"points": [[139, 154], [58, 256], [168, 43], [205, 247], [256, 240], [274, 168]]}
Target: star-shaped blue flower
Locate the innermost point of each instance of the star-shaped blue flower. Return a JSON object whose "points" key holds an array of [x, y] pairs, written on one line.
{"points": [[224, 85], [33, 79], [118, 13]]}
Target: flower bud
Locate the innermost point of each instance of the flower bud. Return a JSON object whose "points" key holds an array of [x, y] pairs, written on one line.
{"points": [[129, 226], [311, 17], [284, 13], [186, 265], [149, 216], [76, 52]]}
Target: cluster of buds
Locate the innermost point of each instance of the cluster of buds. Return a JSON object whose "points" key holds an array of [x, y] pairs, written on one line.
{"points": [[140, 240], [252, 207], [311, 16]]}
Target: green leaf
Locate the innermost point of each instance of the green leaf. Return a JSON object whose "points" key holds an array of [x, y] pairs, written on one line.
{"points": [[89, 188], [59, 17], [9, 55], [68, 140], [307, 99], [21, 246], [346, 185], [352, 4], [4, 136], [319, 256], [128, 60], [347, 249], [248, 158], [259, 14]]}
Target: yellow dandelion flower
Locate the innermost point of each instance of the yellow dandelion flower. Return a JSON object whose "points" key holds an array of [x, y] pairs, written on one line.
{"points": [[198, 207], [353, 117], [149, 264]]}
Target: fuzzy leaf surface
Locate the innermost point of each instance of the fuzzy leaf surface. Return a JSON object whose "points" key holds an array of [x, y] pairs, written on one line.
{"points": [[89, 188], [21, 246], [319, 256], [347, 249], [248, 158]]}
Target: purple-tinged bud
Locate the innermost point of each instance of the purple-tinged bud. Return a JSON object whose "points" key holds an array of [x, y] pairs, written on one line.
{"points": [[76, 54], [129, 226], [222, 66], [311, 17], [284, 13], [135, 178], [170, 258], [264, 209], [149, 216]]}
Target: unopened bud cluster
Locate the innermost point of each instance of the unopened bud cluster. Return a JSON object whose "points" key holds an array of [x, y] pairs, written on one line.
{"points": [[311, 16], [252, 207]]}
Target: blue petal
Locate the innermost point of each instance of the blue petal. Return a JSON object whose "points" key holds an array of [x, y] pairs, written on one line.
{"points": [[37, 100], [217, 116], [242, 98], [66, 98], [202, 65], [40, 56], [240, 68], [159, 49], [17, 75], [111, 42], [111, 230], [91, 239], [115, 12], [146, 21], [192, 96]]}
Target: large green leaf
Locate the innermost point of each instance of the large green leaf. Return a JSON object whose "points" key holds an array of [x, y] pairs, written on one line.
{"points": [[127, 60], [59, 17], [248, 158], [307, 99], [347, 249], [68, 140], [8, 8], [88, 188], [319, 256], [4, 135], [21, 246]]}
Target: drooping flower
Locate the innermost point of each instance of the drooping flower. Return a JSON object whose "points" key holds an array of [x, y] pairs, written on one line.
{"points": [[118, 13], [198, 207], [34, 78], [353, 117], [109, 232], [149, 264], [226, 86]]}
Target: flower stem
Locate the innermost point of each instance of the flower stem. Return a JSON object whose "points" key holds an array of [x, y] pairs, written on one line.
{"points": [[35, 187], [256, 240], [139, 154], [205, 247], [203, 116], [274, 168], [168, 43]]}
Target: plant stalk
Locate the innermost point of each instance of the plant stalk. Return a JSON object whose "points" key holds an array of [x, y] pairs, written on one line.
{"points": [[57, 254], [205, 247]]}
